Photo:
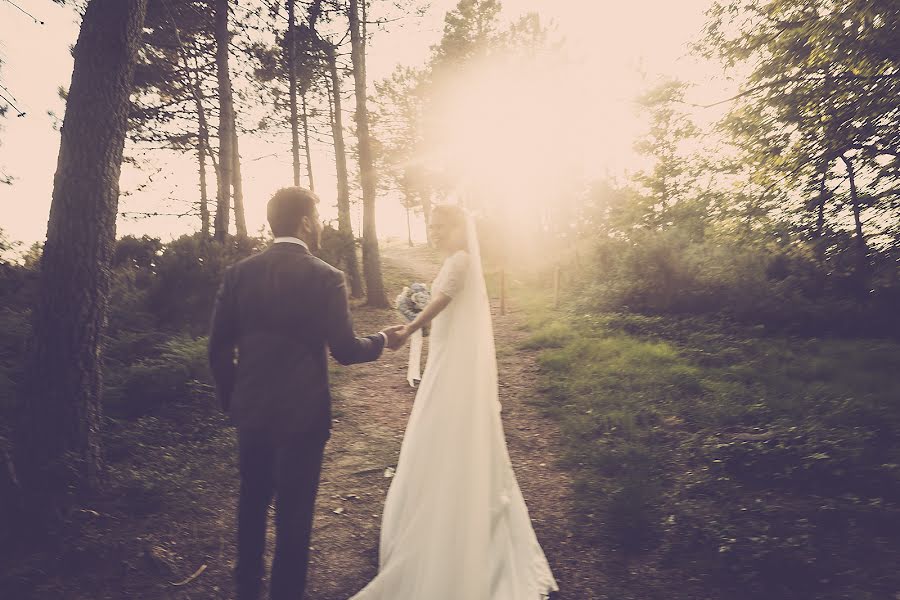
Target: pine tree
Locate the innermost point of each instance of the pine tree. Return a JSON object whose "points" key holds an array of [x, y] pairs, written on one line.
{"points": [[58, 439], [375, 295]]}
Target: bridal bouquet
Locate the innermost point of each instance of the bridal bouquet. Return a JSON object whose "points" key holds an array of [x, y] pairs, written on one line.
{"points": [[412, 300]]}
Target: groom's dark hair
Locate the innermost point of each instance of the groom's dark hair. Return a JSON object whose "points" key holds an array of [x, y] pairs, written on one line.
{"points": [[287, 208]]}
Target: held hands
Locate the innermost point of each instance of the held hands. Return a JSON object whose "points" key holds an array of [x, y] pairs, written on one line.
{"points": [[396, 336]]}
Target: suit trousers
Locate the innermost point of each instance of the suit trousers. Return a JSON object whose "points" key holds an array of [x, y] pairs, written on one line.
{"points": [[286, 467]]}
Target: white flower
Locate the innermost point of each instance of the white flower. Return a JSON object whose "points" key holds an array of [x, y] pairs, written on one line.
{"points": [[420, 299]]}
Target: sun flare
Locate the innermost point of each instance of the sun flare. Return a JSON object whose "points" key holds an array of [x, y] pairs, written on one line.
{"points": [[501, 136]]}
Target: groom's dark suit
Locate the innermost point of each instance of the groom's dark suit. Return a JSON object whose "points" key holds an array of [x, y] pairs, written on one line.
{"points": [[275, 314]]}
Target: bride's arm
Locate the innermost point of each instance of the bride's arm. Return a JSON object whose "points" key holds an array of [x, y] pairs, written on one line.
{"points": [[431, 310], [450, 286]]}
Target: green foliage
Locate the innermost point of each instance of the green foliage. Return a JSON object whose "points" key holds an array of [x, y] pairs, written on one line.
{"points": [[782, 287], [792, 222], [17, 288], [469, 32], [670, 183], [177, 373], [172, 63], [818, 107], [398, 120], [128, 303], [161, 297], [15, 330], [552, 335], [334, 246], [761, 464], [188, 272], [137, 252], [18, 285]]}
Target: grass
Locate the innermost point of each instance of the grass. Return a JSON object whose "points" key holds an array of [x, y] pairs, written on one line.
{"points": [[726, 454]]}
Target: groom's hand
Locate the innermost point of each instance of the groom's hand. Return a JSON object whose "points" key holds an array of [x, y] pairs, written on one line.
{"points": [[394, 337]]}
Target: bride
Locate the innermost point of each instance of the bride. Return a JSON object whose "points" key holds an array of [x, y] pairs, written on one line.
{"points": [[455, 525]]}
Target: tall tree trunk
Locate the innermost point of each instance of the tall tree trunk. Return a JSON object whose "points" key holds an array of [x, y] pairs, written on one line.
{"points": [[192, 79], [426, 212], [58, 438], [204, 194], [820, 208], [240, 220], [854, 203], [407, 205], [375, 295], [348, 251], [309, 171], [226, 123], [292, 87], [351, 265]]}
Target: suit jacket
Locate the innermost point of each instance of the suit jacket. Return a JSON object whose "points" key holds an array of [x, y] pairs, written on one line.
{"points": [[275, 314]]}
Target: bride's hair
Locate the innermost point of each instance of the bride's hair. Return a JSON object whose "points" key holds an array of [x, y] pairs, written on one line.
{"points": [[453, 213]]}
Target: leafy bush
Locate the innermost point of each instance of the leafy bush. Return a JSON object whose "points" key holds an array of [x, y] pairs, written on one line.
{"points": [[137, 252], [14, 332], [188, 273], [178, 373], [785, 288], [335, 246], [18, 285]]}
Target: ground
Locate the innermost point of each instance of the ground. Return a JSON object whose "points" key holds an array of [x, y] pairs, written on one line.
{"points": [[166, 530]]}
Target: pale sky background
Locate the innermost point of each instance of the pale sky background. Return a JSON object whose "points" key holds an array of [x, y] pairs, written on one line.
{"points": [[609, 43]]}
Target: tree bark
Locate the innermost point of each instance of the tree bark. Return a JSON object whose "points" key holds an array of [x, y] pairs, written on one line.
{"points": [[407, 205], [350, 262], [202, 126], [58, 437], [204, 194], [305, 119], [820, 209], [375, 295], [240, 220], [292, 88], [854, 203], [226, 123], [426, 212]]}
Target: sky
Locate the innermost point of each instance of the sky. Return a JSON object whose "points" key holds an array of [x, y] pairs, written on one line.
{"points": [[615, 50]]}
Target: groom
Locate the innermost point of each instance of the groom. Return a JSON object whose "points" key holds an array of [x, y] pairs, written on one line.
{"points": [[275, 314]]}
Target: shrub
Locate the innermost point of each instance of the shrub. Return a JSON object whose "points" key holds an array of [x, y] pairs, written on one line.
{"points": [[188, 273], [14, 333], [178, 373], [137, 252], [335, 246], [785, 288], [18, 285]]}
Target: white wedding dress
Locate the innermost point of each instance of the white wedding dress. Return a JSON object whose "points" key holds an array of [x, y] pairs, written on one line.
{"points": [[455, 525]]}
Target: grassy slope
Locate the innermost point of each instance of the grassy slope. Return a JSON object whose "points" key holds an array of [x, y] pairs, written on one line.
{"points": [[758, 464]]}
